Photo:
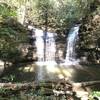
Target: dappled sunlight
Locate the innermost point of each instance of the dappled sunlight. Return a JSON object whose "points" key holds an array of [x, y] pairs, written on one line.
{"points": [[60, 76], [1, 63], [28, 68], [43, 69], [51, 67], [68, 72], [51, 70]]}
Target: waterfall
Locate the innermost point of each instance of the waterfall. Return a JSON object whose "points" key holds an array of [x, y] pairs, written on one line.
{"points": [[71, 42], [50, 46], [46, 49], [39, 45]]}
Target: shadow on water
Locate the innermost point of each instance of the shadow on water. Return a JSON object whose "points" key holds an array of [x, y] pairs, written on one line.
{"points": [[22, 72], [87, 73]]}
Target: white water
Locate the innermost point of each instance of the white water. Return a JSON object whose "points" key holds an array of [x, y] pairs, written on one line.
{"points": [[50, 46], [39, 45], [48, 62], [71, 42]]}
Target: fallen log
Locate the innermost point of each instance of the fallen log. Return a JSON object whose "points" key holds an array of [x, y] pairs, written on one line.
{"points": [[87, 84], [15, 86], [56, 88]]}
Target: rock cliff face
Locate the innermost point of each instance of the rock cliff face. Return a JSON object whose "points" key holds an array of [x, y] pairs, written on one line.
{"points": [[90, 34]]}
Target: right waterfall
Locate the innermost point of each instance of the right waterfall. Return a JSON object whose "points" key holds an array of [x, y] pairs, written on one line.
{"points": [[71, 44]]}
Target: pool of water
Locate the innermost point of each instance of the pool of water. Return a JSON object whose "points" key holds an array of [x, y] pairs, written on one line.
{"points": [[33, 72]]}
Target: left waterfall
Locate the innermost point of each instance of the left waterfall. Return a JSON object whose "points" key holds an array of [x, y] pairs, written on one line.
{"points": [[49, 47], [39, 45], [45, 51]]}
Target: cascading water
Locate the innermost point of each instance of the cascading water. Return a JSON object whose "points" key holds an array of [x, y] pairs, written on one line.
{"points": [[39, 45], [49, 48], [71, 42]]}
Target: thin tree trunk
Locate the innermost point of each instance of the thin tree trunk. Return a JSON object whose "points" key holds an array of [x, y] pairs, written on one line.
{"points": [[21, 13]]}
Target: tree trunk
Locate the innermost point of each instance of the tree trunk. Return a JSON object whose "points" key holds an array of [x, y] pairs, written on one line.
{"points": [[21, 13]]}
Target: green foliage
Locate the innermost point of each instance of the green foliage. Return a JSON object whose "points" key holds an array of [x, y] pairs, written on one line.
{"points": [[10, 78], [94, 94], [12, 34], [60, 14], [89, 36], [6, 10], [90, 30], [2, 90]]}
